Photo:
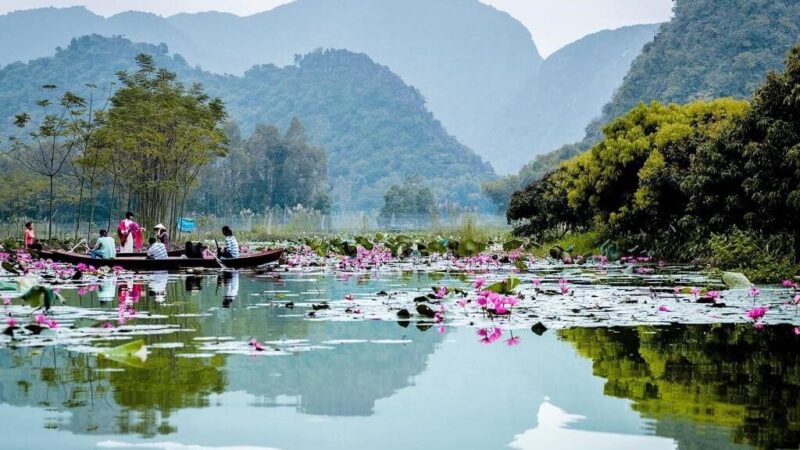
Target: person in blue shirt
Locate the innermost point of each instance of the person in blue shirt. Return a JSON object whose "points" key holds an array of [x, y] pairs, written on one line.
{"points": [[105, 247]]}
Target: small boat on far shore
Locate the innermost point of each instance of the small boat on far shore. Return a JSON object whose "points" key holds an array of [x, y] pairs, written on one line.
{"points": [[140, 263]]}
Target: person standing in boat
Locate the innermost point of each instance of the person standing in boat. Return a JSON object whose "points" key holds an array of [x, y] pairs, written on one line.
{"points": [[130, 234], [105, 247], [157, 250], [162, 235], [231, 248]]}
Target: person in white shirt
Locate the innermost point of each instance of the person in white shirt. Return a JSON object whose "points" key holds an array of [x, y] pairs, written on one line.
{"points": [[231, 248], [157, 250]]}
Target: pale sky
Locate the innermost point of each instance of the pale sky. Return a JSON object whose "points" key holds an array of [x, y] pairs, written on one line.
{"points": [[553, 23]]}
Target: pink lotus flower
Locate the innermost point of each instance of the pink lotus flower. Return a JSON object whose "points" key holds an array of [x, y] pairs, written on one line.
{"points": [[478, 283], [537, 282], [676, 290], [462, 303], [257, 346], [501, 310], [797, 299], [488, 336], [512, 341], [441, 292], [564, 289], [483, 333], [40, 319], [496, 334], [754, 292], [713, 295], [757, 313], [11, 322], [52, 323], [563, 281], [442, 329], [695, 291], [797, 331], [788, 283], [348, 297], [108, 325], [6, 300], [663, 308]]}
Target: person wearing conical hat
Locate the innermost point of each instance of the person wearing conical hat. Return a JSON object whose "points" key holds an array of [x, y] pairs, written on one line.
{"points": [[162, 235]]}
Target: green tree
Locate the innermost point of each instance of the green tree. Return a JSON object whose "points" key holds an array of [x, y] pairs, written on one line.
{"points": [[161, 134], [265, 171], [411, 202], [50, 140]]}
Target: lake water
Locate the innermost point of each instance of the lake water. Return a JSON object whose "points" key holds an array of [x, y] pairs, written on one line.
{"points": [[337, 380]]}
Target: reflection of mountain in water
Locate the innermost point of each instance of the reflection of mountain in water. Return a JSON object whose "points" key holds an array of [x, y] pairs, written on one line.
{"points": [[344, 381], [731, 377]]}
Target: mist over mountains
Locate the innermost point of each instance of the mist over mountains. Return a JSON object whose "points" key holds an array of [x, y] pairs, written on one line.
{"points": [[477, 68]]}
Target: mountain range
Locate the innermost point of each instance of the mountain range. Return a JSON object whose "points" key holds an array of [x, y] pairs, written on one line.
{"points": [[477, 68], [375, 128]]}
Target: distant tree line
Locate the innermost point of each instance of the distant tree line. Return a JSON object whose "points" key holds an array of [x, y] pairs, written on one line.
{"points": [[265, 171]]}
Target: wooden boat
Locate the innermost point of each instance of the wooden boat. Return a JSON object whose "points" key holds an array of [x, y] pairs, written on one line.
{"points": [[171, 263], [143, 254]]}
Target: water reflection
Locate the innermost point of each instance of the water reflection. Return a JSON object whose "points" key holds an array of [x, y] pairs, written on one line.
{"points": [[735, 377], [366, 384], [157, 285]]}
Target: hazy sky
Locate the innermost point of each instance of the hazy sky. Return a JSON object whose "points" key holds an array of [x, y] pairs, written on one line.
{"points": [[553, 23]]}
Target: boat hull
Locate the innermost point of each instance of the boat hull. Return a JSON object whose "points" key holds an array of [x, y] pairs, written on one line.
{"points": [[172, 263]]}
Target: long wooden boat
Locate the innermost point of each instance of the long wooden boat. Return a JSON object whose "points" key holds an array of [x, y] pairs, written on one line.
{"points": [[144, 254], [171, 263]]}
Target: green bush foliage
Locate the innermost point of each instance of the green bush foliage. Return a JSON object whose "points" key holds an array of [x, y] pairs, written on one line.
{"points": [[667, 177], [761, 259]]}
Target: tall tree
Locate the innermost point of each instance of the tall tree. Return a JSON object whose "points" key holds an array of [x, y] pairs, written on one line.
{"points": [[50, 140], [161, 134]]}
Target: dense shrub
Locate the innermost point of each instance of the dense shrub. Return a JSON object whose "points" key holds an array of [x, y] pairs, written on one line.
{"points": [[761, 259], [668, 177]]}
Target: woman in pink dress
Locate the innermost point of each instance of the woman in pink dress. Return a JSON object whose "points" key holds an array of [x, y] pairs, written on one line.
{"points": [[130, 234]]}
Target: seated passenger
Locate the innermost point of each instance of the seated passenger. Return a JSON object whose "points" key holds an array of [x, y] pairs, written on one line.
{"points": [[157, 250]]}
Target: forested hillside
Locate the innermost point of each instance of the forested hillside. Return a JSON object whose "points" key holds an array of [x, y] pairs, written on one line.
{"points": [[468, 59], [375, 129], [710, 49], [714, 178]]}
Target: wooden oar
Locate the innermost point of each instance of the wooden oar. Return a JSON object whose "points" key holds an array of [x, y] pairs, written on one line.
{"points": [[216, 258]]}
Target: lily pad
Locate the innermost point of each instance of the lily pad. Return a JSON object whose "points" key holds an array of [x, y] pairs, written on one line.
{"points": [[736, 280]]}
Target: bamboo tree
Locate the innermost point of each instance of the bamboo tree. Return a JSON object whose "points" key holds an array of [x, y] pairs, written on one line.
{"points": [[49, 144]]}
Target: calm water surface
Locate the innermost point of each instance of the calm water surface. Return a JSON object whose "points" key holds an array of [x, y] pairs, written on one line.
{"points": [[350, 384]]}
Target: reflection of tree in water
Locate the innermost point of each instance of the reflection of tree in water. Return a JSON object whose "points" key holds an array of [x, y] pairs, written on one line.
{"points": [[732, 376], [136, 401], [101, 397], [346, 380]]}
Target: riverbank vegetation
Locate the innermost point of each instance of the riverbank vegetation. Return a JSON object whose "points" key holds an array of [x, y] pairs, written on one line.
{"points": [[685, 181]]}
